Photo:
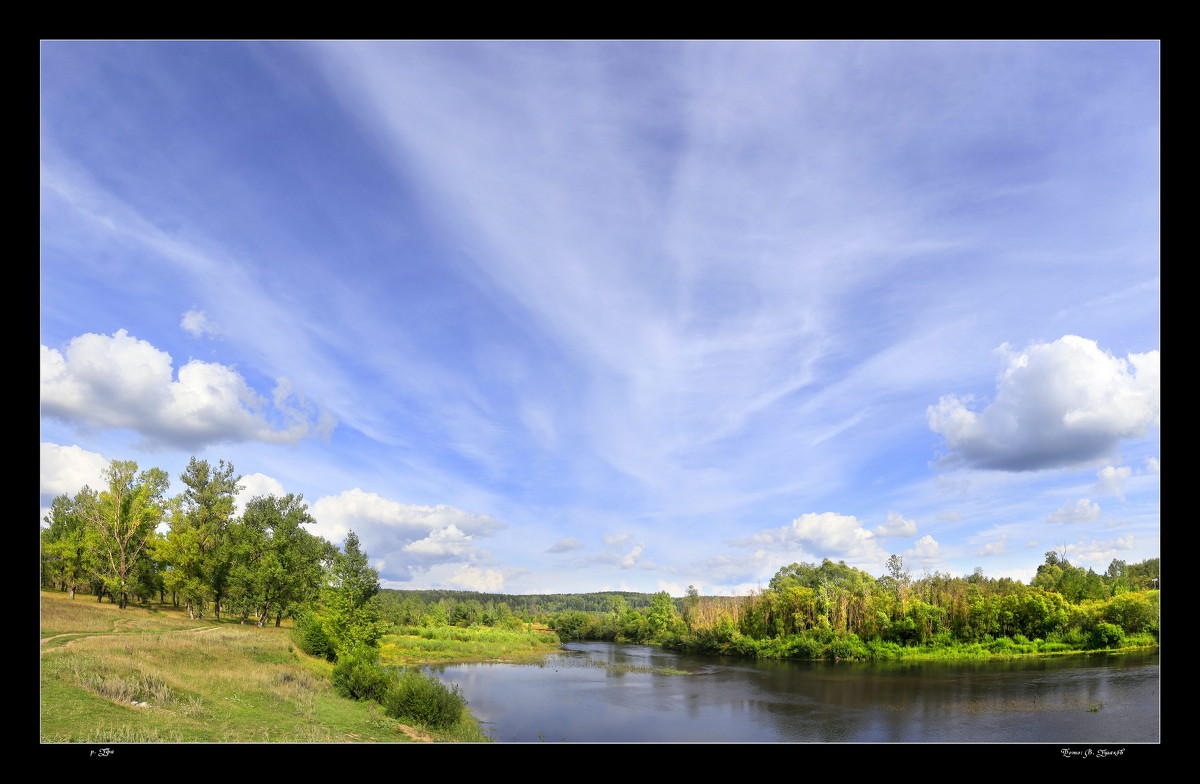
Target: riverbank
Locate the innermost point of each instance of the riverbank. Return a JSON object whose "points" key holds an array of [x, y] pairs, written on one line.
{"points": [[151, 675], [411, 646]]}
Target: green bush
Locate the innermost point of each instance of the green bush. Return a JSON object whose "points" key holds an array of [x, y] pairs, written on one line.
{"points": [[848, 647], [879, 650], [358, 675], [1000, 645], [425, 700], [1106, 635], [310, 637]]}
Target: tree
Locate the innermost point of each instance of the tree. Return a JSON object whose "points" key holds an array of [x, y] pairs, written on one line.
{"points": [[122, 518], [68, 559], [277, 564], [197, 547], [350, 608]]}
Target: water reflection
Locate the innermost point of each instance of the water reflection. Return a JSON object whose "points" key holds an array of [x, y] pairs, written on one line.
{"points": [[603, 692]]}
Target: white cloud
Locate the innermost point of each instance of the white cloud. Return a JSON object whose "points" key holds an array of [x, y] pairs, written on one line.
{"points": [[565, 545], [996, 547], [1082, 511], [950, 517], [1152, 465], [1111, 481], [1057, 404], [409, 539], [197, 323], [473, 578], [828, 534], [926, 550], [122, 382], [1098, 553], [897, 525], [254, 485], [621, 556], [448, 542], [66, 469]]}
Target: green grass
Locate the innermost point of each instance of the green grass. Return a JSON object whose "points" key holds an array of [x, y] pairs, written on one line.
{"points": [[416, 645], [202, 682]]}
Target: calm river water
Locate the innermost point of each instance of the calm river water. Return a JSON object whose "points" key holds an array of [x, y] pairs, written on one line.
{"points": [[606, 692]]}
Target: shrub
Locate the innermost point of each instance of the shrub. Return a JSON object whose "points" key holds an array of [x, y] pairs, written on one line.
{"points": [[425, 700], [806, 647], [1106, 635], [880, 650], [358, 675], [1000, 645], [310, 637], [848, 647]]}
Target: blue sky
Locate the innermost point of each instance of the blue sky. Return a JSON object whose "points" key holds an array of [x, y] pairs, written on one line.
{"points": [[576, 316]]}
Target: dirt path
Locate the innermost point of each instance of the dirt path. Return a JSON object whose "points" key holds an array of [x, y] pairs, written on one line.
{"points": [[83, 636], [415, 734]]}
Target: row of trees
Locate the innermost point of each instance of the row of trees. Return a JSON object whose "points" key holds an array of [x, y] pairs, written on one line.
{"points": [[835, 610], [111, 542], [833, 601]]}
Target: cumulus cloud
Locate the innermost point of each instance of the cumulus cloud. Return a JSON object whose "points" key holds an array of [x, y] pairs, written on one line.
{"points": [[118, 381], [997, 547], [565, 545], [1057, 404], [897, 525], [448, 542], [1099, 553], [254, 485], [473, 578], [1152, 465], [66, 469], [623, 553], [1082, 511], [409, 539], [197, 324], [926, 550], [1111, 481], [829, 534]]}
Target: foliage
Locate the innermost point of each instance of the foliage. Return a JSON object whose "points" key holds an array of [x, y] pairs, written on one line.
{"points": [[357, 675], [310, 636], [349, 609], [425, 700], [120, 519], [1106, 635]]}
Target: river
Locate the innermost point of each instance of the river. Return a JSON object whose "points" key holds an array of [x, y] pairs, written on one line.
{"points": [[608, 692]]}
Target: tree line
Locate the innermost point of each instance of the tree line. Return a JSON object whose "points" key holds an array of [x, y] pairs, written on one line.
{"points": [[833, 610], [261, 564]]}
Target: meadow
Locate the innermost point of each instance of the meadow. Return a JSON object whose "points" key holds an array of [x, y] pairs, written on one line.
{"points": [[149, 675]]}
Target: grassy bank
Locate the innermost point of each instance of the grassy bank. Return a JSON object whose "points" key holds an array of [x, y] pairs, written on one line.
{"points": [[415, 645], [200, 681]]}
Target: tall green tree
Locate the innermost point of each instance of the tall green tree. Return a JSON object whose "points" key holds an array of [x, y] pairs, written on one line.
{"points": [[68, 557], [198, 546], [349, 606], [122, 518], [278, 564]]}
